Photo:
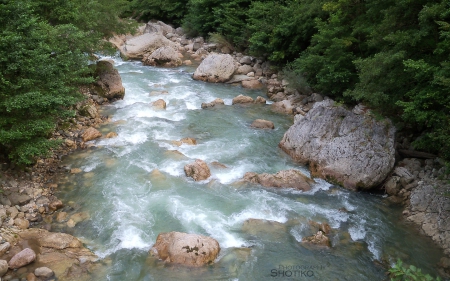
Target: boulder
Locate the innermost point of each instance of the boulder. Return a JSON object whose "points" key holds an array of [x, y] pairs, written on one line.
{"points": [[163, 56], [4, 248], [59, 241], [242, 99], [137, 47], [24, 257], [282, 179], [188, 141], [111, 135], [22, 223], [213, 103], [198, 170], [89, 111], [215, 68], [318, 239], [159, 104], [262, 124], [252, 84], [158, 27], [355, 151], [109, 83], [3, 267], [284, 107], [186, 249], [43, 272], [260, 99], [90, 134], [244, 69], [245, 60]]}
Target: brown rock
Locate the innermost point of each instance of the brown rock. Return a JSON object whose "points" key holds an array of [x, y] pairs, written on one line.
{"points": [[242, 100], [260, 99], [55, 205], [22, 223], [62, 216], [163, 56], [284, 107], [109, 84], [213, 103], [324, 227], [188, 141], [262, 124], [24, 257], [187, 249], [111, 135], [75, 170], [59, 241], [3, 267], [252, 84], [4, 248], [282, 179], [198, 170], [31, 277], [43, 272], [159, 104], [318, 239], [91, 134]]}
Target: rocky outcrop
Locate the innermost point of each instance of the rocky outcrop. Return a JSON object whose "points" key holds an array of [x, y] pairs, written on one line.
{"points": [[163, 56], [186, 249], [198, 170], [355, 151], [283, 179], [262, 124], [215, 68], [109, 83], [252, 84], [137, 47]]}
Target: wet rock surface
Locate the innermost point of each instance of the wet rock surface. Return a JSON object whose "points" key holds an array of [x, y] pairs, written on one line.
{"points": [[283, 179]]}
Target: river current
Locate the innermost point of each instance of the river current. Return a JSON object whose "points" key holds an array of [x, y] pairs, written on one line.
{"points": [[133, 187]]}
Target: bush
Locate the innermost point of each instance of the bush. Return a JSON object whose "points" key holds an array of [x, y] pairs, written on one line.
{"points": [[401, 273]]}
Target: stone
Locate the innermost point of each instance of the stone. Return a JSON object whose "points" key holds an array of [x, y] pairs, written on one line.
{"points": [[198, 170], [260, 99], [215, 102], [55, 205], [324, 227], [31, 277], [215, 68], [157, 93], [158, 27], [137, 47], [43, 272], [264, 228], [354, 151], [59, 241], [186, 249], [62, 216], [89, 111], [90, 134], [318, 239], [239, 79], [392, 185], [284, 107], [163, 56], [241, 99], [282, 179], [188, 141], [75, 170], [109, 83], [111, 135], [159, 104], [244, 69], [187, 62], [4, 248], [246, 60], [19, 199], [3, 267], [252, 84], [24, 257], [251, 74], [79, 217], [22, 223], [262, 124]]}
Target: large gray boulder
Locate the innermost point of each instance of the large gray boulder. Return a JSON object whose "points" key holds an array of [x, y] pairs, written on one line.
{"points": [[186, 249], [137, 47], [215, 68], [355, 151]]}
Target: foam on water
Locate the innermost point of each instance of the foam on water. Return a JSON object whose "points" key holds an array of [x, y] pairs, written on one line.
{"points": [[358, 231]]}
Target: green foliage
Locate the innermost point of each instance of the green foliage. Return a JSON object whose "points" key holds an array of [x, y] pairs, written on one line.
{"points": [[401, 273], [43, 60], [220, 40], [169, 11]]}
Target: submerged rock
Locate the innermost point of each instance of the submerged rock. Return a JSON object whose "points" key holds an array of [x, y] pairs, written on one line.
{"points": [[355, 151], [215, 68], [213, 103], [90, 134], [186, 249], [282, 179], [198, 170], [262, 124], [318, 239]]}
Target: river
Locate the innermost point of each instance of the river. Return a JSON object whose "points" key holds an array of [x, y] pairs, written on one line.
{"points": [[133, 187]]}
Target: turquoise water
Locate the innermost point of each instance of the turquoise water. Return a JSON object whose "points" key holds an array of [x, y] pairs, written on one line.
{"points": [[134, 188]]}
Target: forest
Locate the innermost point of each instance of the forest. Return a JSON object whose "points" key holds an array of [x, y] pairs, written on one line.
{"points": [[392, 56]]}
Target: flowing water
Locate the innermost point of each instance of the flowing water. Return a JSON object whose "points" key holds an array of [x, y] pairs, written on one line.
{"points": [[133, 187]]}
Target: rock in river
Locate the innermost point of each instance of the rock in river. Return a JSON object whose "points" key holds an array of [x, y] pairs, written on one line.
{"points": [[355, 151], [215, 68], [186, 249], [282, 179], [198, 170]]}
